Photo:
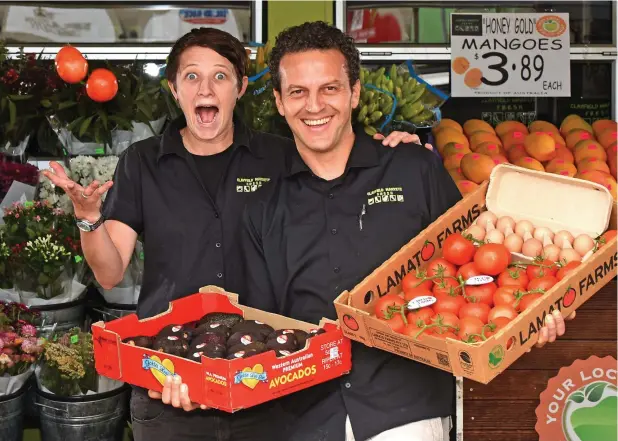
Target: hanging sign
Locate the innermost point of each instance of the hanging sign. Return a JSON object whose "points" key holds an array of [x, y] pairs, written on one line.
{"points": [[510, 55]]}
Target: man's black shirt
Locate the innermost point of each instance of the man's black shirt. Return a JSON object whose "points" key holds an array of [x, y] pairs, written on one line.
{"points": [[190, 237], [306, 240], [211, 168]]}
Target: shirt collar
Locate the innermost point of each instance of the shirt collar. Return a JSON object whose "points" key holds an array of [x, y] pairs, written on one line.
{"points": [[171, 141], [364, 154]]}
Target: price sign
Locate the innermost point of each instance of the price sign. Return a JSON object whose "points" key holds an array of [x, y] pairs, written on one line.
{"points": [[513, 55]]}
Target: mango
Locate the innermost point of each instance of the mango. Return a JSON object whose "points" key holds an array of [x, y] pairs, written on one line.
{"points": [[589, 149], [510, 126], [540, 146], [530, 163], [477, 167], [477, 125]]}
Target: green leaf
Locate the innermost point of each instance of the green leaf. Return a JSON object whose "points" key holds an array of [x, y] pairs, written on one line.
{"points": [[43, 279], [46, 103], [12, 114], [75, 123], [84, 126], [66, 105], [103, 117], [97, 134], [3, 104], [577, 397], [20, 97], [493, 360], [594, 391]]}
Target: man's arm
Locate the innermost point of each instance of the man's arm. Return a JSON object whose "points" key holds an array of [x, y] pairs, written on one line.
{"points": [[258, 288]]}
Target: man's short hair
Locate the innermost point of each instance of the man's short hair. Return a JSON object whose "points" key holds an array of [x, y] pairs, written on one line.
{"points": [[316, 35]]}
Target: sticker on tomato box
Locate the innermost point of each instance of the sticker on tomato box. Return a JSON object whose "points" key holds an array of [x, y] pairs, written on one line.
{"points": [[421, 302], [479, 280]]}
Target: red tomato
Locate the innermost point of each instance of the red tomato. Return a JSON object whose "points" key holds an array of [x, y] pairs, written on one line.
{"points": [[443, 265], [608, 235], [416, 292], [468, 270], [102, 85], [71, 65], [470, 329], [513, 277], [505, 295], [446, 286], [448, 303], [411, 330], [478, 310], [568, 268], [412, 279], [541, 269], [447, 334], [481, 293], [446, 322], [526, 301], [492, 258], [545, 283], [457, 249], [493, 326], [423, 314], [396, 323], [383, 305], [502, 311]]}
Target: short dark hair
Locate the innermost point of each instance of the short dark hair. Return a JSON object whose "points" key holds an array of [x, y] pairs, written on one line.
{"points": [[219, 41], [316, 35]]}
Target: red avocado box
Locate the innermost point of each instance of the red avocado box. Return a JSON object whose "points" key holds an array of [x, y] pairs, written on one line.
{"points": [[228, 385], [548, 200]]}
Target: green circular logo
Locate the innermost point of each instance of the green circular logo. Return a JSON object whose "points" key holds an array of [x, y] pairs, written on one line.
{"points": [[496, 355]]}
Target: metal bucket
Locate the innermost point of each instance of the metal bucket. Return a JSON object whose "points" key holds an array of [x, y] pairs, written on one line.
{"points": [[111, 311], [12, 412], [60, 317], [100, 416]]}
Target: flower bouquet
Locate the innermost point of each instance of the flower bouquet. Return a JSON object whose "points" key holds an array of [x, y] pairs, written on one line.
{"points": [[23, 81], [5, 255], [67, 366], [11, 171], [43, 267], [20, 348]]}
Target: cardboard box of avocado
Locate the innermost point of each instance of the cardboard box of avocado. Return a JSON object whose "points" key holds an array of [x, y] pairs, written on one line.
{"points": [[230, 356], [566, 206]]}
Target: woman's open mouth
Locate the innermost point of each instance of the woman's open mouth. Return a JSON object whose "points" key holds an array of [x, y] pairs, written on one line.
{"points": [[206, 115]]}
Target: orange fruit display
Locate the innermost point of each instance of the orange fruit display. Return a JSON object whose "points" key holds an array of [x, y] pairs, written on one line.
{"points": [[447, 135], [510, 126], [477, 167], [589, 149], [478, 138], [477, 125], [460, 65], [530, 163], [577, 135], [543, 126], [473, 78], [453, 147], [446, 122]]}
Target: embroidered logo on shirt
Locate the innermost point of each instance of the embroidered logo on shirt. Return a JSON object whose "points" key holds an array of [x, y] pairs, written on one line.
{"points": [[385, 195], [249, 185]]}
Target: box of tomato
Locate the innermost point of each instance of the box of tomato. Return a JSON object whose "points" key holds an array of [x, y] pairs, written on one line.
{"points": [[470, 293]]}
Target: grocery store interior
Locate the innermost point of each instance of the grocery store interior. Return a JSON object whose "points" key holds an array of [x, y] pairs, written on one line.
{"points": [[409, 40]]}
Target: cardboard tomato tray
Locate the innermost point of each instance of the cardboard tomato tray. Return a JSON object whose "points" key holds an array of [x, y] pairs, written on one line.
{"points": [[228, 385], [554, 201]]}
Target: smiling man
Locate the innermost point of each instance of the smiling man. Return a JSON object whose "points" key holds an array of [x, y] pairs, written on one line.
{"points": [[317, 231]]}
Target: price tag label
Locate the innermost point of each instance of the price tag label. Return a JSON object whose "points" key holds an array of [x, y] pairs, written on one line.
{"points": [[509, 54], [479, 280], [421, 302]]}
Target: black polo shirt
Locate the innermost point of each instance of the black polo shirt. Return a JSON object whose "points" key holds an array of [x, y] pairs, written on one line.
{"points": [[306, 240], [190, 238]]}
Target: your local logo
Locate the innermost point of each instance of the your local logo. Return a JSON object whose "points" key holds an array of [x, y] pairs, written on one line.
{"points": [[250, 377], [160, 369], [580, 403]]}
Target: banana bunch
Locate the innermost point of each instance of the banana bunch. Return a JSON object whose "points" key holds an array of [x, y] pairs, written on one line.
{"points": [[258, 103], [413, 100]]}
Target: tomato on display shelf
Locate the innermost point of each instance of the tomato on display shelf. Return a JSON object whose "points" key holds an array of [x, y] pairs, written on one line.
{"points": [[102, 85], [513, 277], [71, 65], [492, 258], [457, 249]]}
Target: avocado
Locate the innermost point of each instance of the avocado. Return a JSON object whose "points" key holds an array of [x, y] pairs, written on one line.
{"points": [[282, 353], [180, 331], [224, 318], [207, 328], [208, 338], [257, 346], [172, 345], [301, 337], [244, 338], [212, 350], [141, 340], [285, 342], [253, 326], [242, 354]]}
